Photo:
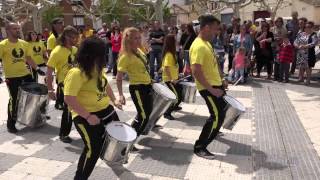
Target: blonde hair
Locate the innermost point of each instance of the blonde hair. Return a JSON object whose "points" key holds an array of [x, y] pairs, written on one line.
{"points": [[126, 40]]}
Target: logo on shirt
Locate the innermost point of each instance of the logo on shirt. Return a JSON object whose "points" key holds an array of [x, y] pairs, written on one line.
{"points": [[101, 85], [17, 55], [36, 50]]}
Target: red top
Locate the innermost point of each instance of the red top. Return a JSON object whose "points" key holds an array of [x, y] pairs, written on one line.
{"points": [[239, 60], [116, 42], [286, 53]]}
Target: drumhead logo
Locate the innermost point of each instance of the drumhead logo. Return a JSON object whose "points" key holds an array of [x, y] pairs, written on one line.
{"points": [[101, 85], [17, 55], [36, 50]]}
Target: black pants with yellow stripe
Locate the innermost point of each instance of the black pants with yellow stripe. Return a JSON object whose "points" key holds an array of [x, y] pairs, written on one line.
{"points": [[13, 85], [177, 90], [66, 119], [93, 137], [142, 98], [213, 124]]}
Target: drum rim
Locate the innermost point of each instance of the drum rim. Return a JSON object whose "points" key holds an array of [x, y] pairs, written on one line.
{"points": [[121, 123], [186, 83], [168, 98], [244, 108], [42, 86]]}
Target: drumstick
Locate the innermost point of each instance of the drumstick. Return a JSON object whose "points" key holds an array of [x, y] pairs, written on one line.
{"points": [[181, 79], [237, 81]]}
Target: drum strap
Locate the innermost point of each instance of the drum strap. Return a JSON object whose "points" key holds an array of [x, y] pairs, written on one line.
{"points": [[143, 59]]}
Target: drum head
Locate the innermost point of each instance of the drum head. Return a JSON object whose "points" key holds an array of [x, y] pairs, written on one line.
{"points": [[43, 68], [163, 90], [188, 84], [234, 103], [121, 131], [34, 88]]}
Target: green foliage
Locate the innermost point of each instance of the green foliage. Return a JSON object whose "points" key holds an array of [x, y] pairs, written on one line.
{"points": [[51, 13], [113, 9]]}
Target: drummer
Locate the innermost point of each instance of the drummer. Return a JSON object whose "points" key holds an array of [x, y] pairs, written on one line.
{"points": [[133, 61], [14, 55], [170, 71], [209, 81], [88, 94], [61, 60], [38, 52]]}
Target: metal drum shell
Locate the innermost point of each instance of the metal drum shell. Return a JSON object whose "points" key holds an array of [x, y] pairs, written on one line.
{"points": [[160, 106], [189, 93], [32, 108], [232, 114], [112, 149]]}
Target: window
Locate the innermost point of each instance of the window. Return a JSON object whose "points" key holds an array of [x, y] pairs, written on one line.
{"points": [[78, 21]]}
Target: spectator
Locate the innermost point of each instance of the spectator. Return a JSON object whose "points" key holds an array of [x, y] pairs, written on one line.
{"points": [[278, 31], [218, 45], [116, 38], [264, 50], [239, 61], [105, 34], [286, 55], [233, 30], [145, 39], [88, 31], [156, 38], [293, 29], [45, 34], [243, 40], [306, 57], [185, 44]]}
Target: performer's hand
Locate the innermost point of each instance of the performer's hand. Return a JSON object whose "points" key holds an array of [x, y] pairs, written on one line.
{"points": [[117, 104], [93, 120], [216, 92], [225, 84], [174, 81], [52, 95], [122, 100]]}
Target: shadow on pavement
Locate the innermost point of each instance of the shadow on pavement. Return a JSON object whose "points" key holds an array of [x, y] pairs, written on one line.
{"points": [[43, 134]]}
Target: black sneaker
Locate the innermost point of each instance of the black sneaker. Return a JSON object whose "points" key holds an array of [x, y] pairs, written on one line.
{"points": [[178, 108], [134, 149], [169, 116], [204, 153], [65, 139], [12, 130], [157, 126]]}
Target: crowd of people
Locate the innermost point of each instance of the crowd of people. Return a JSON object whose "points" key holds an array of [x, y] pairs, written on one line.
{"points": [[81, 59]]}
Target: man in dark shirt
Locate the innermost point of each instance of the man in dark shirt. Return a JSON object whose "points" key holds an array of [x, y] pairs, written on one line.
{"points": [[105, 35], [293, 29], [156, 39]]}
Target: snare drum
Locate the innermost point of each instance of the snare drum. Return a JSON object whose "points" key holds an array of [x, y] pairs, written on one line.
{"points": [[119, 137], [163, 98], [32, 104], [234, 109], [189, 92]]}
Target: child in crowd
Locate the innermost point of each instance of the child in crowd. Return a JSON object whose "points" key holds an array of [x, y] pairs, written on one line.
{"points": [[240, 63], [285, 58]]}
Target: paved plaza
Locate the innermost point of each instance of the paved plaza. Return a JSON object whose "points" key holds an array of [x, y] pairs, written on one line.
{"points": [[277, 138]]}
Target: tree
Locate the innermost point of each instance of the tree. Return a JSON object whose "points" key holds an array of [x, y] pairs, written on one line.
{"points": [[271, 6], [51, 13]]}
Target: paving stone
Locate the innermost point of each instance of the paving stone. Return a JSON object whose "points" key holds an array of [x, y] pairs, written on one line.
{"points": [[161, 161], [9, 160]]}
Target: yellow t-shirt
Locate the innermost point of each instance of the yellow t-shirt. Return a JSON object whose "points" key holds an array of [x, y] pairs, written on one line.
{"points": [[89, 96], [36, 50], [201, 52], [62, 60], [169, 61], [13, 57], [88, 33], [52, 42], [135, 68]]}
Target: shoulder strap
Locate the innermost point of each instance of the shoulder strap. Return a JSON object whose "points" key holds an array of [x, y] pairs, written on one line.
{"points": [[143, 60]]}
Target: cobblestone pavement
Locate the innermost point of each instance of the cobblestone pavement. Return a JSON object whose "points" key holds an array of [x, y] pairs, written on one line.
{"points": [[277, 138]]}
